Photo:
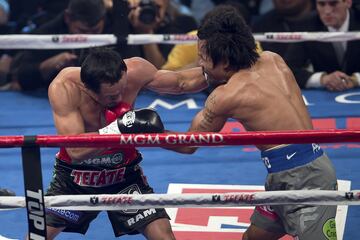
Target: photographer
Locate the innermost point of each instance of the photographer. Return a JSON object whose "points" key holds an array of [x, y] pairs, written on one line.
{"points": [[153, 17]]}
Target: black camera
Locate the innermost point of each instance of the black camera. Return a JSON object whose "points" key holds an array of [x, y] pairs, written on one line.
{"points": [[148, 11]]}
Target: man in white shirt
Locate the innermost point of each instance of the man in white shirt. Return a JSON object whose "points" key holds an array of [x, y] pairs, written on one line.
{"points": [[329, 65]]}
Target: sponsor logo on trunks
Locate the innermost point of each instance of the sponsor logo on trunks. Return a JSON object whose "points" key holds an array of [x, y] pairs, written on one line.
{"points": [[105, 160], [72, 216], [173, 139], [329, 229], [140, 216], [266, 161], [308, 216], [288, 157], [315, 147], [267, 211], [98, 178], [132, 189]]}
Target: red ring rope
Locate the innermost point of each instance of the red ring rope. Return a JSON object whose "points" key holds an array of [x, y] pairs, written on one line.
{"points": [[186, 139]]}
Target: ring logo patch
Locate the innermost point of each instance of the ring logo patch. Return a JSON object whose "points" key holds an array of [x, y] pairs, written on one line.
{"points": [[94, 200]]}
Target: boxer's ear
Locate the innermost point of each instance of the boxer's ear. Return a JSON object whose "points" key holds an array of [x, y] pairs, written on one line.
{"points": [[226, 65]]}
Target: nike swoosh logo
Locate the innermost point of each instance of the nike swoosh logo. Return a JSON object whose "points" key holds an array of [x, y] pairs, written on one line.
{"points": [[288, 157]]}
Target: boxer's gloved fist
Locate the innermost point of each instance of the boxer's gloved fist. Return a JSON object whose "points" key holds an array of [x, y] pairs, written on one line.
{"points": [[143, 120], [113, 113]]}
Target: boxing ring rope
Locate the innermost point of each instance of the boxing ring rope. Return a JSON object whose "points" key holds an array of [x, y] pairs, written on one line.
{"points": [[36, 203], [183, 139], [115, 202], [71, 41]]}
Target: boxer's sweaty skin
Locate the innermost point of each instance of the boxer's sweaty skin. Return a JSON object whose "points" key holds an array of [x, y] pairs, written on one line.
{"points": [[264, 97], [77, 110]]}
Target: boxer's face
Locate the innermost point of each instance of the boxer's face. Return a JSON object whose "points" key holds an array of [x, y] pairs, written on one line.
{"points": [[215, 75], [333, 12], [111, 94]]}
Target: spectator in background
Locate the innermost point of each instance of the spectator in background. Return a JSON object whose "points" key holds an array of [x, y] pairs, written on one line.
{"points": [[184, 56], [252, 6], [4, 12], [200, 7], [32, 69], [28, 15], [282, 18], [332, 65], [166, 20], [356, 6], [5, 58]]}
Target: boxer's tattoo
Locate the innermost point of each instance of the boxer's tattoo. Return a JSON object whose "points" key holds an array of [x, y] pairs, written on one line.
{"points": [[208, 114]]}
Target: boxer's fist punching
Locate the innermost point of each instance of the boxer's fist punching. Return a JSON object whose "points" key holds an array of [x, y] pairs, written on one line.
{"points": [[143, 120]]}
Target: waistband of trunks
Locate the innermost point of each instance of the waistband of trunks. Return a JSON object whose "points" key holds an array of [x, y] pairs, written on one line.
{"points": [[69, 167], [290, 156]]}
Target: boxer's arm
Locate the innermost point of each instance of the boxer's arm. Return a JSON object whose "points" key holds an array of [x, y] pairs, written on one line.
{"points": [[210, 119], [64, 101], [144, 74], [179, 82]]}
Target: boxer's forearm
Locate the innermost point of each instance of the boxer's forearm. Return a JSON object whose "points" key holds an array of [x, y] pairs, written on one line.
{"points": [[184, 150], [180, 82], [78, 155]]}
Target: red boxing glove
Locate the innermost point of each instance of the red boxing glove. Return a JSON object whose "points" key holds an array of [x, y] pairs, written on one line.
{"points": [[113, 113]]}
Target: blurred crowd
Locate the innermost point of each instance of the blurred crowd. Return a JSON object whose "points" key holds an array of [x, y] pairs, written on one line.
{"points": [[329, 65]]}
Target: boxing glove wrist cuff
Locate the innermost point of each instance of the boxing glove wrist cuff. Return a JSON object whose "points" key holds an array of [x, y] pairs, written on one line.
{"points": [[112, 128]]}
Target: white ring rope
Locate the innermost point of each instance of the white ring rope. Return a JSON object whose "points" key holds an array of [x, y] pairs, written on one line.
{"points": [[55, 41], [70, 41], [286, 37], [237, 199]]}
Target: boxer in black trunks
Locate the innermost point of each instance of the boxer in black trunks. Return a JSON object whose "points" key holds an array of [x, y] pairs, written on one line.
{"points": [[98, 98]]}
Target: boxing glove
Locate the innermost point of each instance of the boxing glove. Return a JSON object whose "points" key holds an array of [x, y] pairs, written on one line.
{"points": [[113, 113], [143, 120]]}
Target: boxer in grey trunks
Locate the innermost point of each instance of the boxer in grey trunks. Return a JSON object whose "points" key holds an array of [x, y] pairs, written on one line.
{"points": [[295, 167], [259, 91]]}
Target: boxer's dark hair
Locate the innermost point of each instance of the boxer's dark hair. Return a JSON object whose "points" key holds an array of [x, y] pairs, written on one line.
{"points": [[228, 38], [102, 65], [89, 12]]}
